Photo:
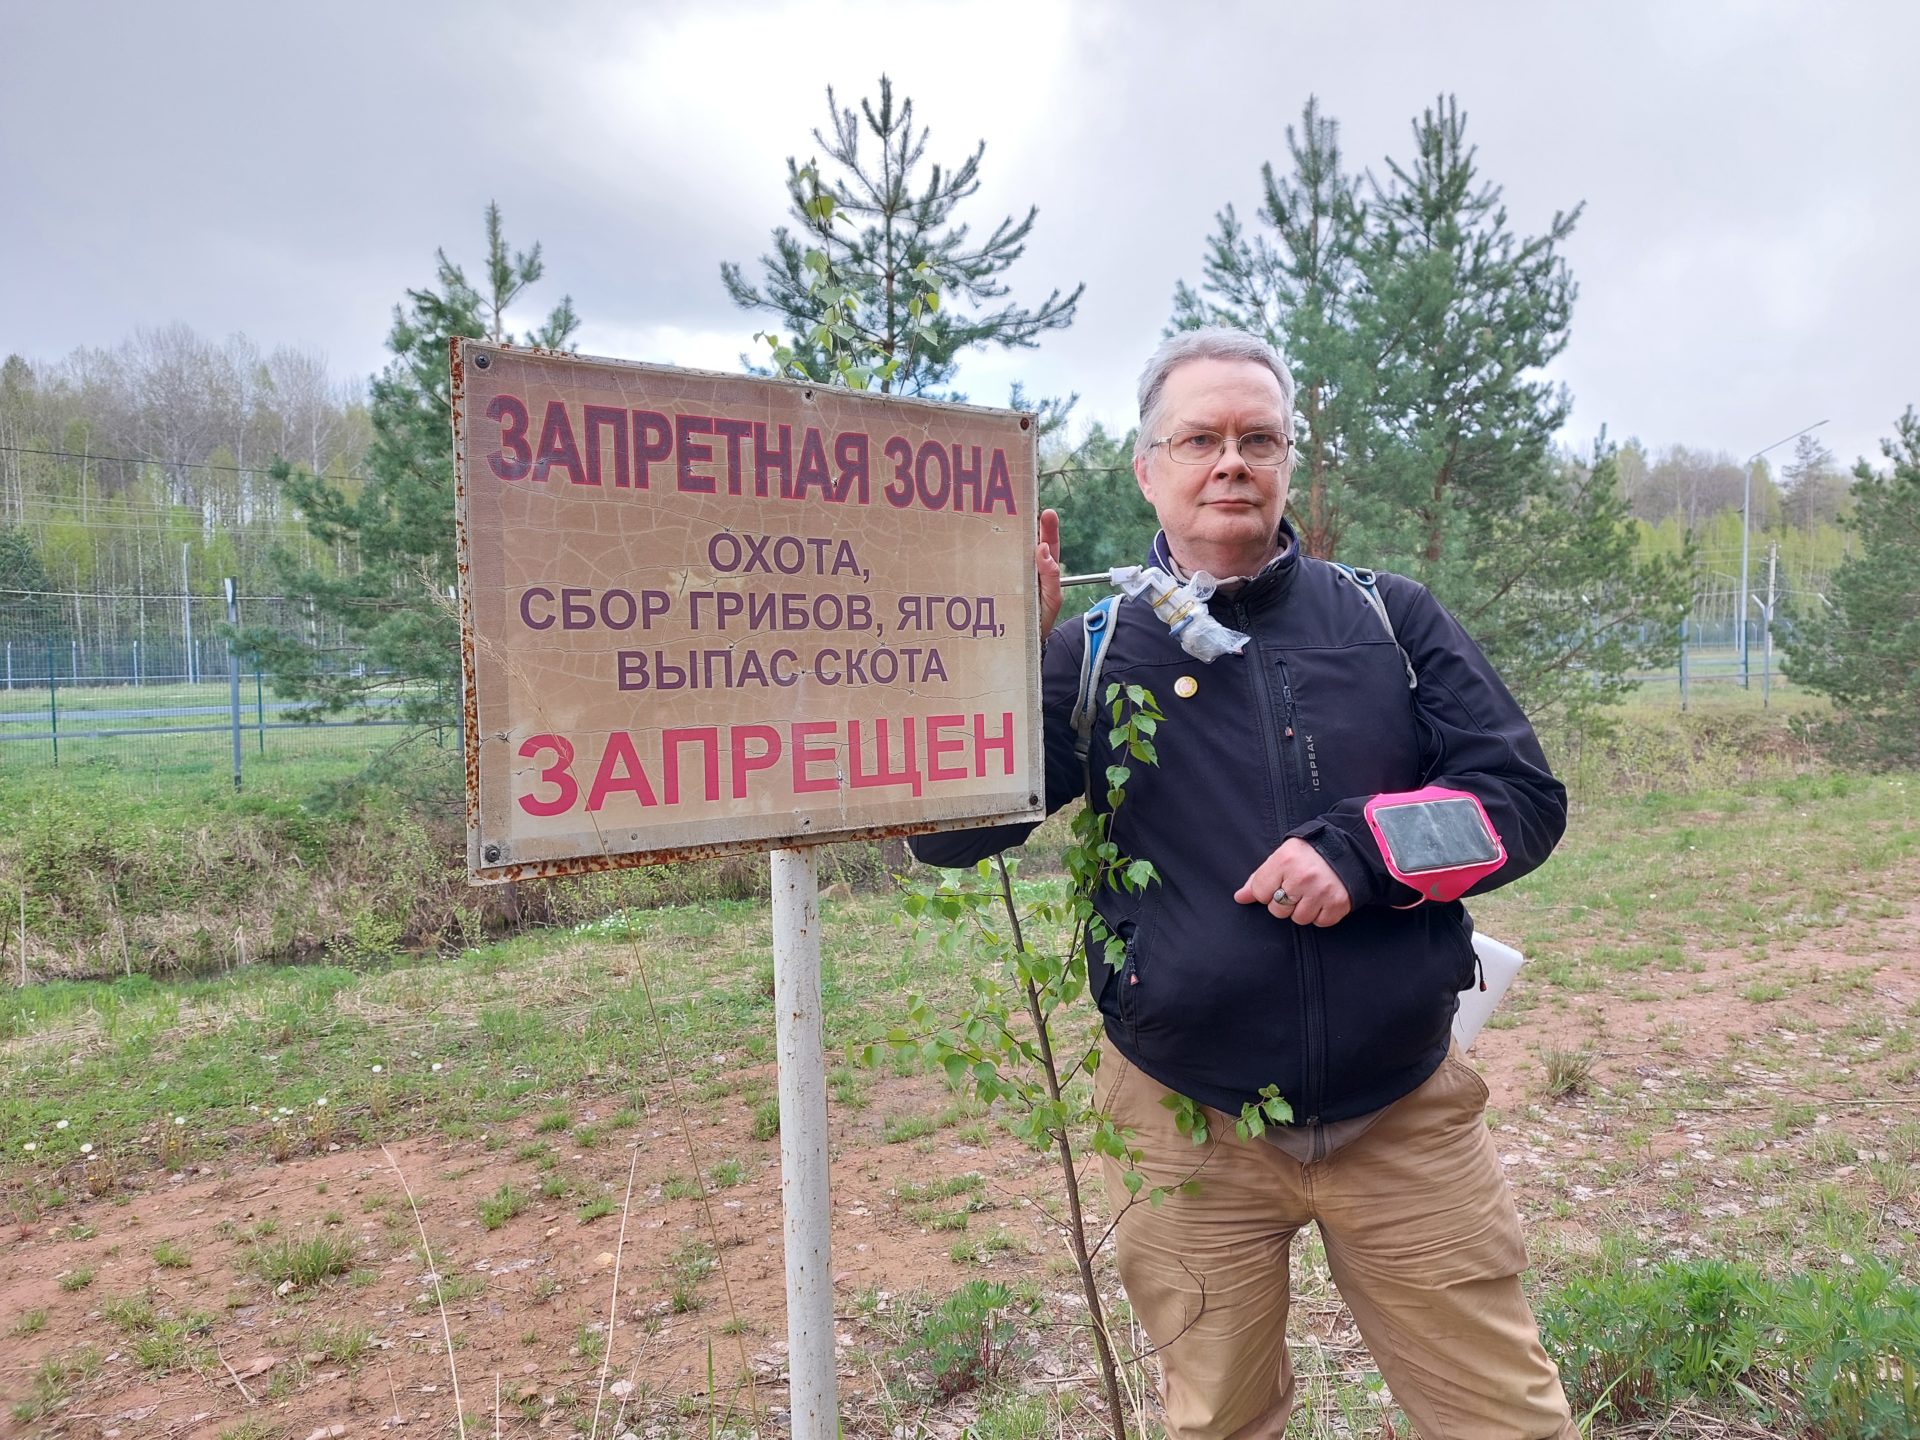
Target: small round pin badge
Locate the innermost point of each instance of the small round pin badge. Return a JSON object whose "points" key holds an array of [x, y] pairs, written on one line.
{"points": [[1185, 686]]}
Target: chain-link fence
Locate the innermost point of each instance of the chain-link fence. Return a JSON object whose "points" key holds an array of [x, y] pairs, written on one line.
{"points": [[1718, 654], [151, 683]]}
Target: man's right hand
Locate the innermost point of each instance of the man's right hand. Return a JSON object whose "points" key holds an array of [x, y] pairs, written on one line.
{"points": [[1046, 565]]}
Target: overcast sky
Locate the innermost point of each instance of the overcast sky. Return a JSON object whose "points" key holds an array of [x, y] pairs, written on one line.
{"points": [[1746, 260]]}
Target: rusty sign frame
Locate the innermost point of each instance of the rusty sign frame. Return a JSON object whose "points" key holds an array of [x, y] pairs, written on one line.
{"points": [[490, 854]]}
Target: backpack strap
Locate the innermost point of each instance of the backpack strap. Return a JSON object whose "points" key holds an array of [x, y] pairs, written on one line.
{"points": [[1098, 623], [1368, 584]]}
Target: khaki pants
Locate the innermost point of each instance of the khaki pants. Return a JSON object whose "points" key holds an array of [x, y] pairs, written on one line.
{"points": [[1421, 1236]]}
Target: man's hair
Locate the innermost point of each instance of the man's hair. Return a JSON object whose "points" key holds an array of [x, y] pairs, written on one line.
{"points": [[1212, 342]]}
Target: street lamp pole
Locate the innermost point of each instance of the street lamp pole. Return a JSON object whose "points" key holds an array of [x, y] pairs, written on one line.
{"points": [[1746, 527]]}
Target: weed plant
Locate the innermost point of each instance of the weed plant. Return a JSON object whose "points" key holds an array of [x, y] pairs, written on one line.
{"points": [[965, 1341], [1833, 1355], [303, 1263]]}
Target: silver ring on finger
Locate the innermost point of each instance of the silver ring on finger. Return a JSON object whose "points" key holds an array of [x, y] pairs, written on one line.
{"points": [[1280, 897]]}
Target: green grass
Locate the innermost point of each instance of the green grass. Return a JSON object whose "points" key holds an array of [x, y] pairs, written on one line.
{"points": [[536, 1034], [54, 1381], [765, 1123], [501, 1206], [343, 1344], [303, 1263], [149, 1050], [979, 1249], [686, 1268], [30, 1322]]}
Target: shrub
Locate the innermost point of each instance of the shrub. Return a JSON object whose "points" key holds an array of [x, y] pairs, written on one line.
{"points": [[965, 1341], [1836, 1356]]}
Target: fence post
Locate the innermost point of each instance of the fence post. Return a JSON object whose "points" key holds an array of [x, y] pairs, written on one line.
{"points": [[186, 610], [53, 701], [9, 664], [1684, 620], [260, 710], [233, 675], [136, 664]]}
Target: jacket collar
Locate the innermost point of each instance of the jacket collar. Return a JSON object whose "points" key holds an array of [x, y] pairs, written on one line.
{"points": [[1269, 585]]}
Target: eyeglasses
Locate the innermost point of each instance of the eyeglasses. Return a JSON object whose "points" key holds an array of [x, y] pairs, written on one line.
{"points": [[1203, 447]]}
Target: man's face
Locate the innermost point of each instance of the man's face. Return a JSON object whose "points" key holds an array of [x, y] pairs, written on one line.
{"points": [[1221, 517]]}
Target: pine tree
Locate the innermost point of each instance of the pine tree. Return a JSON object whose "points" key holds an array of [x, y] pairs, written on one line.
{"points": [[391, 604], [899, 244], [1862, 646], [27, 607], [1815, 488], [1104, 519], [1295, 291], [1419, 323]]}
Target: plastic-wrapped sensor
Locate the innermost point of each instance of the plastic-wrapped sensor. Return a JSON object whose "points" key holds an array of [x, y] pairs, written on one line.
{"points": [[1183, 608]]}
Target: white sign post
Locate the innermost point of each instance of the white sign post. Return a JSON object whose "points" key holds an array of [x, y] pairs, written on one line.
{"points": [[704, 614], [800, 1047]]}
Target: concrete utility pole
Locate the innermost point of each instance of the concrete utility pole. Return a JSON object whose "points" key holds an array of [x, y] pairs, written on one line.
{"points": [[1746, 525]]}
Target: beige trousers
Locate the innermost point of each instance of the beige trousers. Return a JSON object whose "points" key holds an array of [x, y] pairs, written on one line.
{"points": [[1421, 1236]]}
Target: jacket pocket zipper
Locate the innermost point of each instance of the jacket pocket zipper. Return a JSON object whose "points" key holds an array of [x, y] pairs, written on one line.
{"points": [[1290, 739]]}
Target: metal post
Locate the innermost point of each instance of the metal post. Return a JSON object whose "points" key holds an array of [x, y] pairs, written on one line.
{"points": [[186, 611], [53, 702], [260, 709], [136, 664], [1684, 619], [1746, 505], [233, 676], [1766, 615], [9, 664], [800, 1049], [1740, 605]]}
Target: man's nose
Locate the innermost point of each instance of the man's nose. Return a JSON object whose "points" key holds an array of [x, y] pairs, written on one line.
{"points": [[1231, 462]]}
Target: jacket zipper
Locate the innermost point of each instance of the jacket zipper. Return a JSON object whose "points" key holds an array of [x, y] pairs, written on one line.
{"points": [[1309, 971], [1292, 740]]}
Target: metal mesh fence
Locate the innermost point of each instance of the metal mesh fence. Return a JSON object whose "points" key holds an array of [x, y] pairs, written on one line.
{"points": [[151, 683], [1717, 654]]}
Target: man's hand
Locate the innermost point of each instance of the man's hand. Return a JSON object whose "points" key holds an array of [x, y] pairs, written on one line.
{"points": [[1314, 894], [1046, 565]]}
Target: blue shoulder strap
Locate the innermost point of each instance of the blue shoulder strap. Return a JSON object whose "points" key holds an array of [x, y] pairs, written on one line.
{"points": [[1368, 584], [1098, 624]]}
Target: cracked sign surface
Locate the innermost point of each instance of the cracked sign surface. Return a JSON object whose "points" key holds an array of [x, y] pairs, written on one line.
{"points": [[706, 613]]}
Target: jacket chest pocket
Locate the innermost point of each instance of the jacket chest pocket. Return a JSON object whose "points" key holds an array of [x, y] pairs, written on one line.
{"points": [[1346, 717]]}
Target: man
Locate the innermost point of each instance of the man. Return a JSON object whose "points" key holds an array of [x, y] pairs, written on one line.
{"points": [[1277, 949]]}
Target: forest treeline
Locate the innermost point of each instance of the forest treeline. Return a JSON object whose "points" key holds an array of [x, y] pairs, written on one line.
{"points": [[113, 460], [116, 463], [1419, 318]]}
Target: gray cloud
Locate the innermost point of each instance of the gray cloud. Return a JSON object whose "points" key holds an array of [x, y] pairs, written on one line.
{"points": [[1743, 259]]}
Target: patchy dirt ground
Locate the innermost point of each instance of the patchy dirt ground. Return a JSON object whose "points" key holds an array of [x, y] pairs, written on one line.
{"points": [[1697, 1110]]}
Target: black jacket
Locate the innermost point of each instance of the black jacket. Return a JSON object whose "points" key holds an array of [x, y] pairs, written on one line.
{"points": [[1290, 738]]}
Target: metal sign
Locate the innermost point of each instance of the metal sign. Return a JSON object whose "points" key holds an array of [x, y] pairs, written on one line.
{"points": [[708, 613]]}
